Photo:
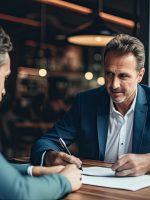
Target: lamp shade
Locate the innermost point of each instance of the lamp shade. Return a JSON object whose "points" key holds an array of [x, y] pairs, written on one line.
{"points": [[92, 33]]}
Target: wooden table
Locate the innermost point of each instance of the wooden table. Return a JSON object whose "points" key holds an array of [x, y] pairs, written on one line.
{"points": [[89, 192]]}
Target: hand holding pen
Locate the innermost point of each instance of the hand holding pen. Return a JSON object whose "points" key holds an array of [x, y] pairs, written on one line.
{"points": [[63, 144], [53, 158]]}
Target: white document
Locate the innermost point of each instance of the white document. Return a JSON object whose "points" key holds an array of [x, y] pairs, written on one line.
{"points": [[98, 171], [105, 177]]}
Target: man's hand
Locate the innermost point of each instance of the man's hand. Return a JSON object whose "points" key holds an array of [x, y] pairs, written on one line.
{"points": [[53, 158], [132, 165], [73, 174], [39, 170]]}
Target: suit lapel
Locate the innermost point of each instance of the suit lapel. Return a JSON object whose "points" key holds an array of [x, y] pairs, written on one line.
{"points": [[140, 116], [102, 122]]}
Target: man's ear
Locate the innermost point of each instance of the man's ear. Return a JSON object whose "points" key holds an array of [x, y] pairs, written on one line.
{"points": [[141, 74]]}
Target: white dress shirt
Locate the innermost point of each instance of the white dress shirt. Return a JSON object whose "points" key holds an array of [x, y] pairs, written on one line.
{"points": [[120, 131]]}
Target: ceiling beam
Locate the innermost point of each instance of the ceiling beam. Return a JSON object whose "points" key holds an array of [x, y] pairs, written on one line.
{"points": [[67, 5], [20, 20], [117, 20]]}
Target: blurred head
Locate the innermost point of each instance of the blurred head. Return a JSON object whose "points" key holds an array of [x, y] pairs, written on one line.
{"points": [[5, 47], [124, 59]]}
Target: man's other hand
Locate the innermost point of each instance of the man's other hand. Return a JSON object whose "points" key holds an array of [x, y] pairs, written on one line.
{"points": [[132, 165]]}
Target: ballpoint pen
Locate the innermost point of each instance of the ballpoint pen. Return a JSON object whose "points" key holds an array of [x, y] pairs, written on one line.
{"points": [[63, 144]]}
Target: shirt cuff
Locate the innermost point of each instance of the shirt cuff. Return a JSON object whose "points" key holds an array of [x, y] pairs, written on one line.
{"points": [[29, 170], [42, 160]]}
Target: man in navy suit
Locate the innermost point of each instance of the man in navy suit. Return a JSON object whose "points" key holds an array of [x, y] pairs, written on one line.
{"points": [[31, 182], [110, 123]]}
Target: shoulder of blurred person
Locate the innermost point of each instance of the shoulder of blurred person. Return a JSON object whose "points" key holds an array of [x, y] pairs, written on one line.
{"points": [[47, 186]]}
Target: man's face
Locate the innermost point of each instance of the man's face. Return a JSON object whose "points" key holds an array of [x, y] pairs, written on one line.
{"points": [[121, 76], [4, 73]]}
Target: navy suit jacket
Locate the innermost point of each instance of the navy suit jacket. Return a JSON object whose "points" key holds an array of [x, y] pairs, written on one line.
{"points": [[16, 184], [86, 123]]}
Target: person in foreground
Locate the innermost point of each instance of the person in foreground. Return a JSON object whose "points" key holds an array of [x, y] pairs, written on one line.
{"points": [[110, 123], [22, 181]]}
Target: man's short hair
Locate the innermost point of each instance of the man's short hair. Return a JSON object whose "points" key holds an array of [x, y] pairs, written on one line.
{"points": [[5, 45], [123, 44]]}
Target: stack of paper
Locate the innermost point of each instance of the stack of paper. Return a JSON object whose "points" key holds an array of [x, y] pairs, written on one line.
{"points": [[105, 177]]}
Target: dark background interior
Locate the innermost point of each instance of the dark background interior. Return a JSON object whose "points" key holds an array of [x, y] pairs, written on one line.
{"points": [[39, 30]]}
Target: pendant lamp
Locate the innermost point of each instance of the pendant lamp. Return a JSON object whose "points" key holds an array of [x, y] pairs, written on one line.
{"points": [[93, 33]]}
